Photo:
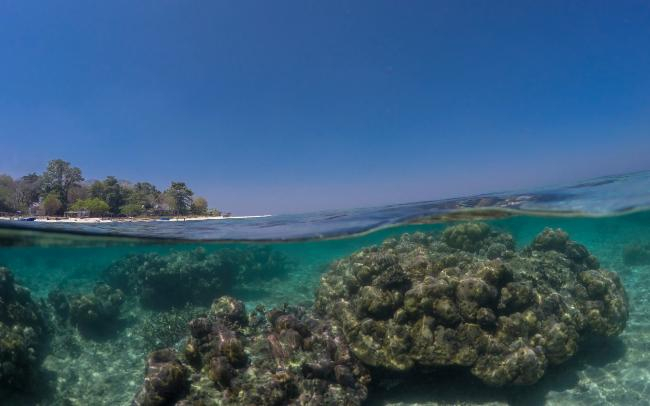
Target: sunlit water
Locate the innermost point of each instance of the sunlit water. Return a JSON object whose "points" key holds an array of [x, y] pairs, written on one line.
{"points": [[86, 370]]}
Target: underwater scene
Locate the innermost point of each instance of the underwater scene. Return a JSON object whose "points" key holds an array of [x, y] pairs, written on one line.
{"points": [[532, 298]]}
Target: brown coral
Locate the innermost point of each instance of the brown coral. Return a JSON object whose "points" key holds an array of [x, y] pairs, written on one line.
{"points": [[23, 335], [282, 357], [467, 298], [96, 313]]}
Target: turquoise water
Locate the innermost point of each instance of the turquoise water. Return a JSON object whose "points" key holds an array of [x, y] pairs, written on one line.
{"points": [[92, 366]]}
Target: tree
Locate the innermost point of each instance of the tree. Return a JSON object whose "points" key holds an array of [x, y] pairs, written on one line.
{"points": [[179, 197], [8, 201], [113, 194], [28, 189], [97, 189], [144, 194], [78, 192], [132, 209], [199, 206], [96, 206], [51, 205], [59, 177], [111, 191]]}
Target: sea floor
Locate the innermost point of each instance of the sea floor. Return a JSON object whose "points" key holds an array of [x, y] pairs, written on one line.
{"points": [[108, 371]]}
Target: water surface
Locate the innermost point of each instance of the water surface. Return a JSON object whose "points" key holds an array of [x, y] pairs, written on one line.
{"points": [[606, 215]]}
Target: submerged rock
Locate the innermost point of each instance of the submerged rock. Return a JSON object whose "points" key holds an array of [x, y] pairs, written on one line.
{"points": [[97, 312], [166, 380], [283, 357], [22, 335], [193, 276], [60, 304], [467, 299]]}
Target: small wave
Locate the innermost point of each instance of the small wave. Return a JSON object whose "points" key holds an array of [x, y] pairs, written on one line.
{"points": [[606, 196]]}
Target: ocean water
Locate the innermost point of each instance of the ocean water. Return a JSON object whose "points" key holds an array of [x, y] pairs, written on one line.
{"points": [[280, 262]]}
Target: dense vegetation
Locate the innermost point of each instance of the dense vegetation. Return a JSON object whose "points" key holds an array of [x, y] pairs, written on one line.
{"points": [[62, 187]]}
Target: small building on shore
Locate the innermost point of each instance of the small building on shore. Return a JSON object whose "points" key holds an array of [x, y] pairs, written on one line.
{"points": [[80, 214], [35, 209]]}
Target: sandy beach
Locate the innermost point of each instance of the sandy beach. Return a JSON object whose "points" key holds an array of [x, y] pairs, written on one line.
{"points": [[129, 219]]}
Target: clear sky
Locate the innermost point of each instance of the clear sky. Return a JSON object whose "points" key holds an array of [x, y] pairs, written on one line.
{"points": [[285, 106]]}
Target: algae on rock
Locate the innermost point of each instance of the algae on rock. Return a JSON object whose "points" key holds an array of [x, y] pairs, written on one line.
{"points": [[467, 298], [23, 335], [283, 357]]}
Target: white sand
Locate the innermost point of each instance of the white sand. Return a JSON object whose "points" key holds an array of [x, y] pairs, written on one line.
{"points": [[131, 219]]}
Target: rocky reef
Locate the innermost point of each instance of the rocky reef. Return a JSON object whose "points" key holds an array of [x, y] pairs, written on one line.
{"points": [[95, 314], [98, 311], [23, 335], [281, 357], [466, 298], [193, 276]]}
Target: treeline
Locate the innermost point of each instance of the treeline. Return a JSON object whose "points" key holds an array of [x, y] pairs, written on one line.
{"points": [[62, 188]]}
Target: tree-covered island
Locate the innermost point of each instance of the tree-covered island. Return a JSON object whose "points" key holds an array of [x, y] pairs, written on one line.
{"points": [[62, 190]]}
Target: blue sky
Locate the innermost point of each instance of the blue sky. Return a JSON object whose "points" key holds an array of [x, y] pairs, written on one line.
{"points": [[289, 106]]}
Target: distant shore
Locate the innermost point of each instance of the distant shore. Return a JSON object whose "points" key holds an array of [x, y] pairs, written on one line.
{"points": [[85, 220]]}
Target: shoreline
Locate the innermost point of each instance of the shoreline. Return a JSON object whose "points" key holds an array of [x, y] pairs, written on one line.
{"points": [[91, 220]]}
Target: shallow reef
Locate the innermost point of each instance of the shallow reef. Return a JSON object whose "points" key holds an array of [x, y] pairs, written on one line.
{"points": [[284, 356], [194, 277], [447, 316], [466, 298], [96, 313], [23, 335]]}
